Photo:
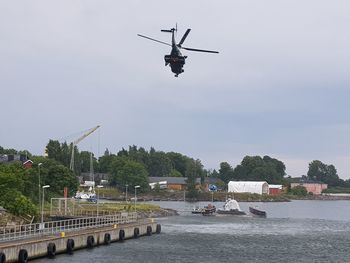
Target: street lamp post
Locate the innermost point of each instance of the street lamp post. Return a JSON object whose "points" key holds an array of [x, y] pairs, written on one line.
{"points": [[126, 193], [136, 186], [42, 205], [39, 183], [98, 196]]}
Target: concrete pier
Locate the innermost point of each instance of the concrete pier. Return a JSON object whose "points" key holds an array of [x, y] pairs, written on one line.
{"points": [[44, 246]]}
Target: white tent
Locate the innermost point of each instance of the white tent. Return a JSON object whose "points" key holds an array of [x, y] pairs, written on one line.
{"points": [[248, 187]]}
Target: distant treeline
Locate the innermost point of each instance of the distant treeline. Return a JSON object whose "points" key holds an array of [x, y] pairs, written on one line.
{"points": [[134, 165]]}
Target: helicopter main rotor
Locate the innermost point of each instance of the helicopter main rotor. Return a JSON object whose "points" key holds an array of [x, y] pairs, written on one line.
{"points": [[179, 45]]}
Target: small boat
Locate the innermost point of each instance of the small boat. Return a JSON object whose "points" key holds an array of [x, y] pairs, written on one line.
{"points": [[257, 212], [197, 210], [209, 210], [231, 207]]}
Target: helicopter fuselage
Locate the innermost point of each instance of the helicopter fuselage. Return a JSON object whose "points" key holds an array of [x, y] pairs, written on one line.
{"points": [[175, 59]]}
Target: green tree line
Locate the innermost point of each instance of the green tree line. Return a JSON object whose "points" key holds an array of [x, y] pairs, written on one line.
{"points": [[133, 166], [19, 187]]}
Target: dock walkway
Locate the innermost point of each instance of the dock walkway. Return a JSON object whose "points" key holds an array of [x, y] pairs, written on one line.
{"points": [[48, 244]]}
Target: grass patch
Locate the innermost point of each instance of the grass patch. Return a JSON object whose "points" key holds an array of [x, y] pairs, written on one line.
{"points": [[119, 207], [337, 190]]}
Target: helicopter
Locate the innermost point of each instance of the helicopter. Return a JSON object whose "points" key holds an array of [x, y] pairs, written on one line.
{"points": [[176, 59]]}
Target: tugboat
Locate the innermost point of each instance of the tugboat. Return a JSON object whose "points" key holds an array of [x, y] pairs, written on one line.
{"points": [[231, 207]]}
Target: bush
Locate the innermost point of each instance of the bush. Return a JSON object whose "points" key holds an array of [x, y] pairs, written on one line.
{"points": [[299, 191], [17, 204]]}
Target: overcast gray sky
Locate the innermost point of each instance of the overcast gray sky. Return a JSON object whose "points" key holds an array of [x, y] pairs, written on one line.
{"points": [[279, 87]]}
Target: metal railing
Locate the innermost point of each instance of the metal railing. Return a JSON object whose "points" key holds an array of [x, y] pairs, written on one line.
{"points": [[70, 207], [55, 227]]}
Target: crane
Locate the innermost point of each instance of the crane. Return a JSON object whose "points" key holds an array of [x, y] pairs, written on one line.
{"points": [[86, 134]]}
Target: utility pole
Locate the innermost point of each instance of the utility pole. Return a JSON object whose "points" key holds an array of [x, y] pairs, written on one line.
{"points": [[39, 197], [136, 186]]}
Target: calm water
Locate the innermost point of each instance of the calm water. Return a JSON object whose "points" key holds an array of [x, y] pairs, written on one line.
{"points": [[299, 231]]}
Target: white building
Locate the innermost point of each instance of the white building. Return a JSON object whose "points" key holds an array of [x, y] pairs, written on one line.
{"points": [[252, 187], [162, 185]]}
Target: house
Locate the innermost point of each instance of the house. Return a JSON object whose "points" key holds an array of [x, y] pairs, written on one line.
{"points": [[275, 189], [253, 187], [173, 183], [314, 187], [161, 185], [7, 158], [10, 158], [28, 164]]}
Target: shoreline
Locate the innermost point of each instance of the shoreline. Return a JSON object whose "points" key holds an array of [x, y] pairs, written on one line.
{"points": [[239, 198]]}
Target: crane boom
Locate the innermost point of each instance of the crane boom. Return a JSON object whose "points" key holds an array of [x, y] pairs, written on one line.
{"points": [[86, 134]]}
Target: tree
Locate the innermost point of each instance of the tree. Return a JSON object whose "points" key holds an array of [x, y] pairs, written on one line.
{"points": [[106, 153], [85, 160], [7, 151], [255, 168], [212, 173], [11, 187], [191, 180], [298, 190], [277, 165], [225, 172], [175, 173], [159, 164], [240, 173], [125, 171], [54, 174], [65, 154], [105, 162], [53, 150], [319, 171], [179, 161], [58, 177]]}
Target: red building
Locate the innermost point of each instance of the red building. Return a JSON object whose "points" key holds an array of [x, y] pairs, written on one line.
{"points": [[28, 164], [275, 189]]}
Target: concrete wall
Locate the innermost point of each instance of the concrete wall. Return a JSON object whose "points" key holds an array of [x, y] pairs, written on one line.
{"points": [[38, 247]]}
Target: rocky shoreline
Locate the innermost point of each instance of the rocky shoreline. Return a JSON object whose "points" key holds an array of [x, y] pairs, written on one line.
{"points": [[162, 212]]}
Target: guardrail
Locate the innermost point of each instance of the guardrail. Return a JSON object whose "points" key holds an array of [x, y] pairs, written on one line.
{"points": [[54, 227]]}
